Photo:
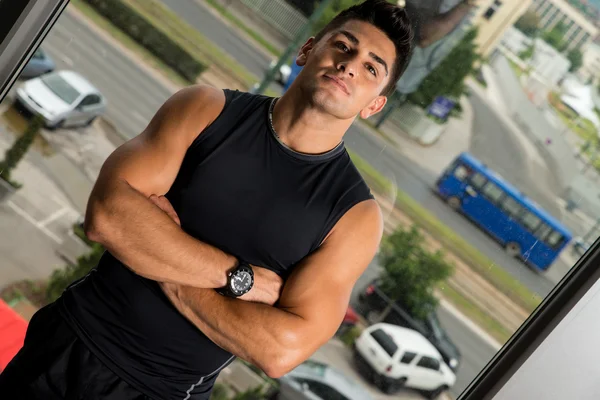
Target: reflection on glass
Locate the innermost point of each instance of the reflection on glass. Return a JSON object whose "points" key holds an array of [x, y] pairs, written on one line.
{"points": [[512, 87]]}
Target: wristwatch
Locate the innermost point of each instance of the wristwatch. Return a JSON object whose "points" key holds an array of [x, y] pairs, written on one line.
{"points": [[239, 280]]}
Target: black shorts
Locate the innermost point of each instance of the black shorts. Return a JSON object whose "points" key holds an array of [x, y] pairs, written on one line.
{"points": [[55, 364]]}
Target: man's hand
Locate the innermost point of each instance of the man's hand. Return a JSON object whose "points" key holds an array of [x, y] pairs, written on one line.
{"points": [[267, 284]]}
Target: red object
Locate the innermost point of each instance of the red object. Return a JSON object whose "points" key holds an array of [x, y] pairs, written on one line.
{"points": [[12, 333], [351, 317], [370, 289]]}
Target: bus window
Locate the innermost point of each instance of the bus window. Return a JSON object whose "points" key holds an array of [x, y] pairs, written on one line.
{"points": [[530, 221], [543, 231], [511, 207], [492, 192], [461, 172], [478, 180], [555, 239]]}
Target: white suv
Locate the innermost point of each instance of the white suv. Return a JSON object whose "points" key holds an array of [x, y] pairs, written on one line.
{"points": [[395, 357]]}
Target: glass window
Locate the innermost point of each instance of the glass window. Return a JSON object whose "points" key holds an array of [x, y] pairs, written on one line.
{"points": [[429, 363], [407, 357], [492, 192], [530, 221], [91, 99], [325, 392], [478, 180], [385, 341], [550, 151], [511, 207], [555, 239], [461, 172], [61, 88]]}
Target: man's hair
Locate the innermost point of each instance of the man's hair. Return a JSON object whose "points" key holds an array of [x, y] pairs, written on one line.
{"points": [[387, 17]]}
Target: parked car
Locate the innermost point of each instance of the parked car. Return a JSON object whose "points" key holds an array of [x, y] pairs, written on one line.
{"points": [[373, 302], [62, 99], [394, 357], [317, 381], [40, 64], [350, 320]]}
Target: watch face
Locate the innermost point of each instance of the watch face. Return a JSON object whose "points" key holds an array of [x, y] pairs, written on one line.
{"points": [[241, 282]]}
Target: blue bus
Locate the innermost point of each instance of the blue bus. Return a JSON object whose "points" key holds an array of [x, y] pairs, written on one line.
{"points": [[524, 229]]}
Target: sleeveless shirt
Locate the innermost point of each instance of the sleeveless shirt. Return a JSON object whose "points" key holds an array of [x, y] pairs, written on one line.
{"points": [[241, 190]]}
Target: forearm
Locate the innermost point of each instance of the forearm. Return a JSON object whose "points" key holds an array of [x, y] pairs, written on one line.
{"points": [[443, 24], [148, 241], [265, 336]]}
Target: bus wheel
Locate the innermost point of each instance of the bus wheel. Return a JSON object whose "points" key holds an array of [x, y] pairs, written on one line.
{"points": [[454, 202], [513, 249]]}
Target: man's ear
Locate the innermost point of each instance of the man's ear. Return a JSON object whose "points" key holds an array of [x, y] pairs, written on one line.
{"points": [[374, 107], [305, 51]]}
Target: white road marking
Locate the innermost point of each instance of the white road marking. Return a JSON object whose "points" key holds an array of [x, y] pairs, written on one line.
{"points": [[67, 60], [32, 221], [54, 216]]}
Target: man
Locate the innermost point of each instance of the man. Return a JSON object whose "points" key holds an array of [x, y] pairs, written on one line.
{"points": [[229, 191]]}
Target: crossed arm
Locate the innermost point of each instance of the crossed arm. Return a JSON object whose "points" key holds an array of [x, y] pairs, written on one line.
{"points": [[311, 306]]}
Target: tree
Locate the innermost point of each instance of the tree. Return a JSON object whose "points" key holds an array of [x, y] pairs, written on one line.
{"points": [[448, 78], [527, 53], [555, 37], [62, 278], [18, 150], [410, 271], [576, 59], [528, 24]]}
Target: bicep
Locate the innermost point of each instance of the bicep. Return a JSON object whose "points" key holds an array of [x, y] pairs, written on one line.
{"points": [[151, 161], [319, 289]]}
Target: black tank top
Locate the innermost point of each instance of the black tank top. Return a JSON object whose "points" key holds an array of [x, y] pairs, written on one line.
{"points": [[241, 190]]}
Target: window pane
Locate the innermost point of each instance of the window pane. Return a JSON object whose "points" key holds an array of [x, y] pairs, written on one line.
{"points": [[530, 221], [385, 341], [478, 180], [492, 192], [408, 357], [511, 207], [461, 172], [429, 363]]}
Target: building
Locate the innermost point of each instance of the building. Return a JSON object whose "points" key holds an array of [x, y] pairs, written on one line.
{"points": [[590, 67], [580, 31], [494, 17]]}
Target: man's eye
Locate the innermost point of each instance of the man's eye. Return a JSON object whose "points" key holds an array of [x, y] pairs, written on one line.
{"points": [[343, 47], [372, 70]]}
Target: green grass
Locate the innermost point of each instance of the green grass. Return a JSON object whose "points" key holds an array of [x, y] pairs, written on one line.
{"points": [[129, 43], [476, 314], [250, 32], [190, 39], [480, 263]]}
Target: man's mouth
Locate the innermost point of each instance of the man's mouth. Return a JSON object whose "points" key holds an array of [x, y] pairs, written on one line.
{"points": [[339, 83]]}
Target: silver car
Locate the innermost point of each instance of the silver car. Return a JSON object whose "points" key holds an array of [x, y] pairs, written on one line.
{"points": [[62, 99], [317, 381]]}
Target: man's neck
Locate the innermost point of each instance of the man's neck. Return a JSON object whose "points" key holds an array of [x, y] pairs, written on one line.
{"points": [[304, 128]]}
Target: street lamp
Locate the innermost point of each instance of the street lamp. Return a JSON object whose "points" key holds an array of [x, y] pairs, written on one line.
{"points": [[300, 37]]}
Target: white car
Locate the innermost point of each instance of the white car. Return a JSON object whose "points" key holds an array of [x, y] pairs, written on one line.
{"points": [[283, 74], [62, 99], [395, 357]]}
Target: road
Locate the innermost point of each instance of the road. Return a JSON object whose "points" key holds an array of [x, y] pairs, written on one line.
{"points": [[134, 95], [494, 142]]}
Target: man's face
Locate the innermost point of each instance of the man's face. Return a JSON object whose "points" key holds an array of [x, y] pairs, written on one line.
{"points": [[345, 72]]}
